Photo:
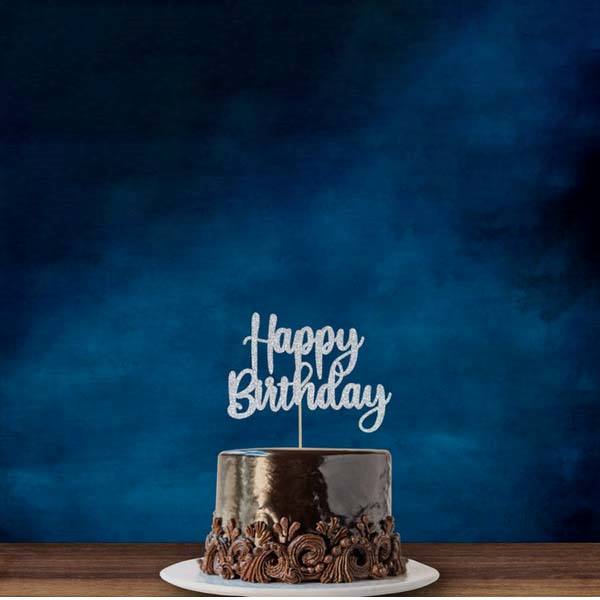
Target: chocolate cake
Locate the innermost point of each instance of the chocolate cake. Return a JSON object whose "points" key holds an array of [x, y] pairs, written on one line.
{"points": [[303, 514]]}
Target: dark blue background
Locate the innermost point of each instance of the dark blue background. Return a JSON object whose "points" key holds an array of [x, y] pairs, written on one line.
{"points": [[428, 172]]}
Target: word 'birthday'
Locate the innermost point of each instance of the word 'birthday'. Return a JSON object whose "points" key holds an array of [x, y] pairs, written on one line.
{"points": [[248, 393]]}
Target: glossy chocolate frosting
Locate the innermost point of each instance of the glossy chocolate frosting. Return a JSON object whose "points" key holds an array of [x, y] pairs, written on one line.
{"points": [[307, 485]]}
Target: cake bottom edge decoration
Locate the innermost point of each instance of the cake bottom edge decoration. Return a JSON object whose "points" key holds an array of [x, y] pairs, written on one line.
{"points": [[329, 553]]}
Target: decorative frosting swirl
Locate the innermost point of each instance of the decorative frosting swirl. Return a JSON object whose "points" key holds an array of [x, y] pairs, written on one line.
{"points": [[307, 553]]}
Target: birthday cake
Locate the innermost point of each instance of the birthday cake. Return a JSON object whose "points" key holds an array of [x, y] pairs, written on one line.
{"points": [[303, 514]]}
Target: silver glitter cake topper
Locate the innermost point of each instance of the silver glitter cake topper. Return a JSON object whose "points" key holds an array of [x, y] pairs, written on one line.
{"points": [[248, 393]]}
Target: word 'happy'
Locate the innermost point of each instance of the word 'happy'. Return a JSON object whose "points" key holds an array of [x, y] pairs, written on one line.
{"points": [[248, 393]]}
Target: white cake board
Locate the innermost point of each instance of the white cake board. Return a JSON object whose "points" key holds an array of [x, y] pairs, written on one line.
{"points": [[187, 575]]}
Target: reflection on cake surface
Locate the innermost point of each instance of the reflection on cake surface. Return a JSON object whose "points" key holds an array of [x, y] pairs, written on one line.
{"points": [[303, 514]]}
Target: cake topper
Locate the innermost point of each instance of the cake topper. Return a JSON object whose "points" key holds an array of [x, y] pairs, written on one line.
{"points": [[248, 393]]}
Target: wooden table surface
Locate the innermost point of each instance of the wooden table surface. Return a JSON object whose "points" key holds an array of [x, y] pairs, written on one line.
{"points": [[466, 569]]}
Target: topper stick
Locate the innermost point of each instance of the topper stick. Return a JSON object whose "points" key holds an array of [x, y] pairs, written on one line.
{"points": [[300, 424]]}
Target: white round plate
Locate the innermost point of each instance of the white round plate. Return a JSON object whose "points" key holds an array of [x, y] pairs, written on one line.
{"points": [[187, 575]]}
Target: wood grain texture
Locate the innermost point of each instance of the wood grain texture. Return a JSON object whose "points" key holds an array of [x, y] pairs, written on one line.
{"points": [[466, 569]]}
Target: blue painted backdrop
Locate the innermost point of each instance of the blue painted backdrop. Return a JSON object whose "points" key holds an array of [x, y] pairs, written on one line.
{"points": [[428, 172]]}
